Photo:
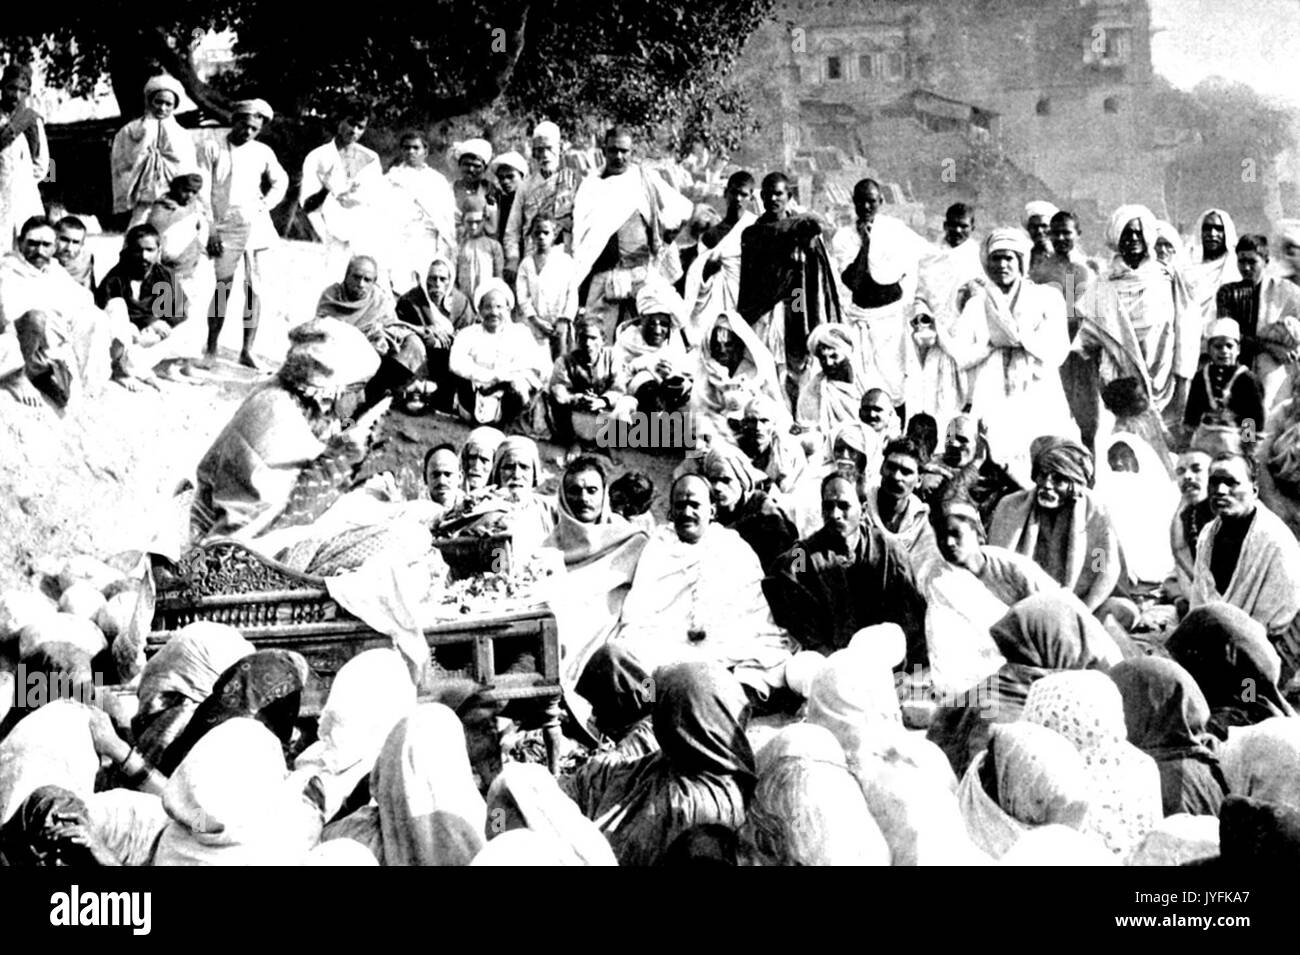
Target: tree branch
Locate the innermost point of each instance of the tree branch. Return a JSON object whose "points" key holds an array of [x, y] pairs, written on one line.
{"points": [[491, 85], [135, 54]]}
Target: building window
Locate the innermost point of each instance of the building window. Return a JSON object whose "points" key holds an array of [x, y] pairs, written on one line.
{"points": [[1110, 104], [834, 68], [1044, 107], [884, 66]]}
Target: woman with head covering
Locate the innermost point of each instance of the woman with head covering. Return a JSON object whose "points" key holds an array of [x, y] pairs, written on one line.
{"points": [[526, 796], [1028, 777], [230, 804], [265, 686], [703, 772], [1212, 260], [741, 503], [1166, 715], [178, 678], [1226, 651], [1133, 486], [650, 356], [601, 551], [1263, 761], [1086, 708], [1012, 338], [620, 694], [284, 457], [425, 809], [370, 693], [150, 151], [807, 808], [968, 592], [1060, 523], [1169, 247], [1040, 635], [53, 746], [1138, 320], [734, 367], [496, 362], [832, 393]]}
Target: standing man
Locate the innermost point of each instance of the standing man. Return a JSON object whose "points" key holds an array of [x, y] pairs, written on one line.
{"points": [[150, 151], [24, 154], [340, 181], [1038, 223], [548, 190], [424, 214], [786, 286], [713, 279], [246, 182], [877, 259], [621, 220]]}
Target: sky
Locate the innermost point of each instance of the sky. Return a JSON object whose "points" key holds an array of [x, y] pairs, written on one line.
{"points": [[1253, 41]]}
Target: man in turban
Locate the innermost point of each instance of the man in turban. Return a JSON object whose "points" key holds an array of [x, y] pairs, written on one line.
{"points": [[547, 190], [246, 183], [1060, 524], [150, 151], [1038, 226], [832, 393], [1011, 340], [1137, 322]]}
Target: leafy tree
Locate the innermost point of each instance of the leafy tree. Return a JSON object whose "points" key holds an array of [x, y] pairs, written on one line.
{"points": [[653, 65]]}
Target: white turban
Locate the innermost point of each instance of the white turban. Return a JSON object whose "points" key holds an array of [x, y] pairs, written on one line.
{"points": [[546, 133], [473, 147], [657, 297], [512, 160], [1009, 239], [1039, 207], [255, 107], [493, 285], [1126, 214], [163, 82]]}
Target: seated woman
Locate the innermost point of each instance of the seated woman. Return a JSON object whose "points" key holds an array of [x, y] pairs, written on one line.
{"points": [[583, 386], [601, 551], [735, 367], [1040, 635], [967, 593], [651, 357], [1135, 488], [511, 504], [1166, 714], [703, 772], [496, 361], [617, 689], [1029, 776], [285, 457]]}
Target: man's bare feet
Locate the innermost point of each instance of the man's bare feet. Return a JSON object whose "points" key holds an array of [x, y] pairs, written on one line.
{"points": [[208, 362], [23, 391], [248, 361]]}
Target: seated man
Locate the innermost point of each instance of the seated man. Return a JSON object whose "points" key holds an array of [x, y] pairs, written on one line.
{"points": [[777, 454], [845, 577], [971, 471], [742, 504], [893, 506], [65, 324], [151, 294], [1061, 525], [442, 477], [697, 593], [650, 354], [361, 301], [1247, 557], [71, 252], [833, 393], [583, 385], [1194, 512], [437, 311], [496, 361]]}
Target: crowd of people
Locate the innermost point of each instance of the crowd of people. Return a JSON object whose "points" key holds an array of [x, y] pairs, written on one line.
{"points": [[1001, 537]]}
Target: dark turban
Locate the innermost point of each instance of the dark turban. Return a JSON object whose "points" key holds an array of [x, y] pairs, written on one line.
{"points": [[1062, 456]]}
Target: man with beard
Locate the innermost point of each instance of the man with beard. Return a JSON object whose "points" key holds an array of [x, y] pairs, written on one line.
{"points": [[741, 504], [844, 577], [971, 471], [548, 191], [894, 507], [1194, 512], [697, 594], [1060, 524], [832, 393], [786, 288], [1247, 557]]}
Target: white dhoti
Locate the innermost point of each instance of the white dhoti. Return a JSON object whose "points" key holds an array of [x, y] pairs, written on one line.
{"points": [[882, 339]]}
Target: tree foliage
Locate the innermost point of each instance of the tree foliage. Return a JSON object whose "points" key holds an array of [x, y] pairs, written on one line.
{"points": [[657, 65]]}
